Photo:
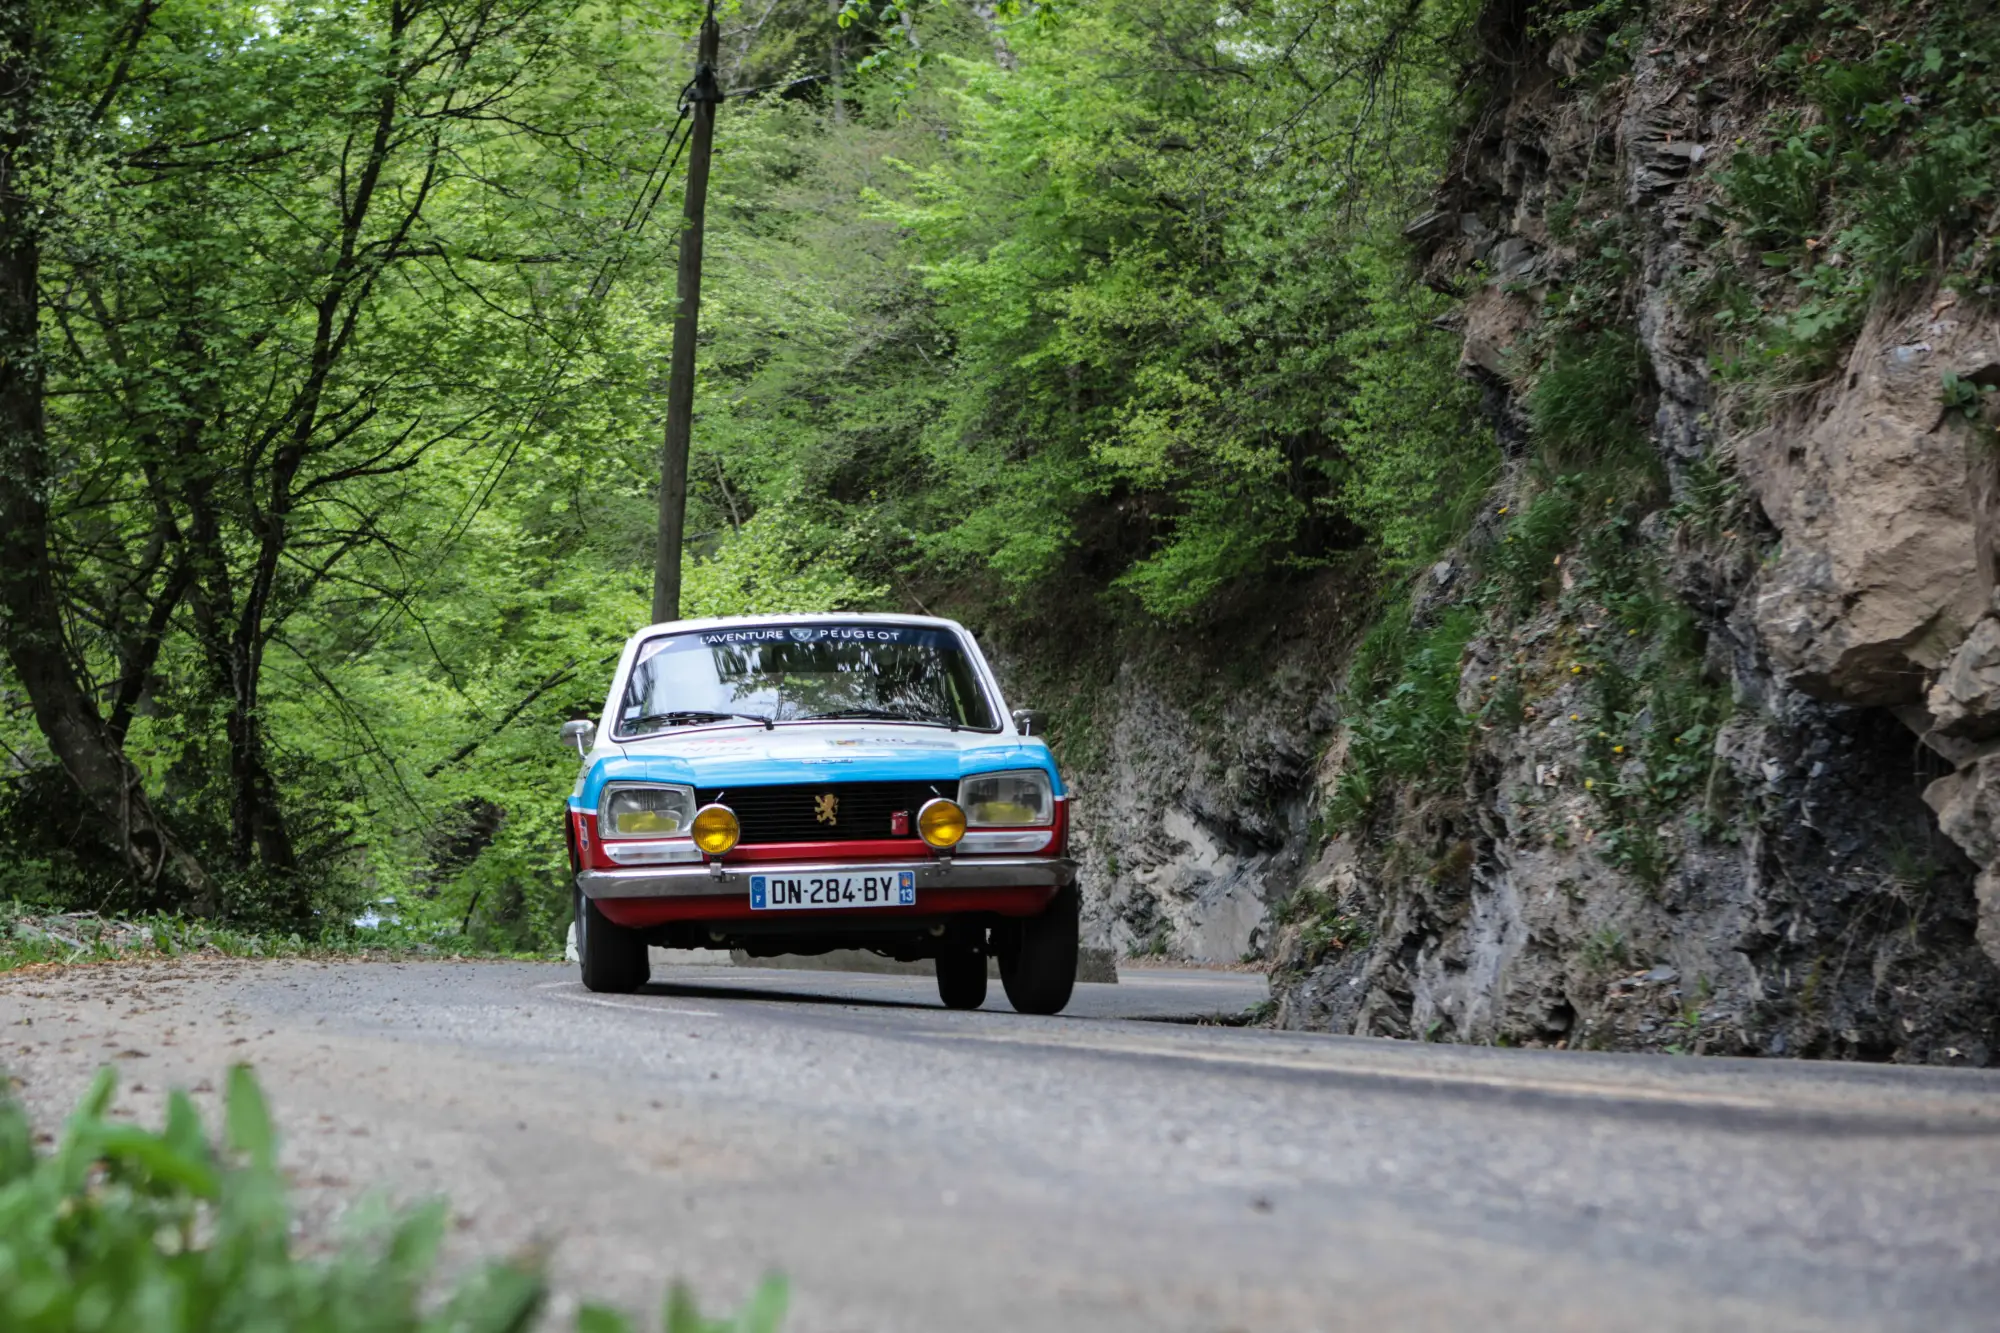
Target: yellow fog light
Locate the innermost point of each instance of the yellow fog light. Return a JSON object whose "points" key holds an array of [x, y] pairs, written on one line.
{"points": [[941, 823], [715, 829]]}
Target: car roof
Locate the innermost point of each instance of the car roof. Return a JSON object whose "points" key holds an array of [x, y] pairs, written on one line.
{"points": [[807, 618]]}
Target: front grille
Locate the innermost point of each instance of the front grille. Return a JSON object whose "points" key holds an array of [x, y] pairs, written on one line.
{"points": [[792, 813]]}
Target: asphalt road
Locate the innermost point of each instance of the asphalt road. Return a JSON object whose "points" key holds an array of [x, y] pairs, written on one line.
{"points": [[913, 1168]]}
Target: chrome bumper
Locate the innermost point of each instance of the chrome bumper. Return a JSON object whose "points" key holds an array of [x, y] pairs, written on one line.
{"points": [[708, 881]]}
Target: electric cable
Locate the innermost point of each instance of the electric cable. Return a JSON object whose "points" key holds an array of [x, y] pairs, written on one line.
{"points": [[598, 289]]}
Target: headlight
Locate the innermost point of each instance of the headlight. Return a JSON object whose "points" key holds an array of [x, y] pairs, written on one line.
{"points": [[941, 823], [1007, 800], [716, 829], [648, 811]]}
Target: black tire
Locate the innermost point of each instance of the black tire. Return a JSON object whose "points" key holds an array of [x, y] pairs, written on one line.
{"points": [[961, 978], [1038, 969], [613, 958]]}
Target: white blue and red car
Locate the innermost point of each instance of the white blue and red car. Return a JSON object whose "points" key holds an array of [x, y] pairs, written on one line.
{"points": [[797, 784]]}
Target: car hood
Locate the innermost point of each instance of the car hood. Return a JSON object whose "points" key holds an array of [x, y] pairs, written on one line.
{"points": [[810, 753]]}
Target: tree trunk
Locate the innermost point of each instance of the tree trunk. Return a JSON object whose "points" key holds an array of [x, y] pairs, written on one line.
{"points": [[31, 622], [256, 816]]}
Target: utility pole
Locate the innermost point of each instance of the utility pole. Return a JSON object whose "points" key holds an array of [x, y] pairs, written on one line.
{"points": [[687, 310]]}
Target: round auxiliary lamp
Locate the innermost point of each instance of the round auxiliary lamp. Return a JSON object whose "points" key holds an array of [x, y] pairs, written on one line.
{"points": [[715, 829], [941, 823]]}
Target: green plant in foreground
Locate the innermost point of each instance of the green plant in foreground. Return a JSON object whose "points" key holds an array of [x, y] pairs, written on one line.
{"points": [[128, 1229]]}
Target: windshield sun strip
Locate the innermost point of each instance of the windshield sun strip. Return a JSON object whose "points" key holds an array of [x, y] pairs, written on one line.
{"points": [[621, 732]]}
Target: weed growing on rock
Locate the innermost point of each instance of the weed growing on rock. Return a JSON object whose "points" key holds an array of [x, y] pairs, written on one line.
{"points": [[1585, 404], [1637, 650], [1522, 564], [1414, 730], [1326, 929], [1653, 748], [1884, 189], [1607, 950]]}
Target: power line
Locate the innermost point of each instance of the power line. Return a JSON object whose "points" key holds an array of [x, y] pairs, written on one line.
{"points": [[656, 182]]}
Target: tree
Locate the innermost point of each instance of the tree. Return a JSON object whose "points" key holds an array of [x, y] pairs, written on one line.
{"points": [[32, 629]]}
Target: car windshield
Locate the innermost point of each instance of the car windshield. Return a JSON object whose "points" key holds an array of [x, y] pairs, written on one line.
{"points": [[800, 673]]}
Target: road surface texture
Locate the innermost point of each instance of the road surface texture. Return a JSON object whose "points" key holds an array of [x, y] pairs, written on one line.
{"points": [[912, 1168]]}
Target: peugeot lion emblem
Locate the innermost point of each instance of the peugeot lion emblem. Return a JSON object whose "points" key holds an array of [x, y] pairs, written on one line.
{"points": [[826, 809]]}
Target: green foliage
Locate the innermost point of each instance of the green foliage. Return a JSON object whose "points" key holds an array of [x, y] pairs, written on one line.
{"points": [[1777, 197], [158, 1231], [1326, 928], [27, 937], [1419, 454], [1966, 397], [774, 563], [1889, 189], [122, 1228], [1412, 731], [1586, 403], [1151, 303], [1607, 949], [1652, 748], [1712, 498], [1613, 26], [1522, 564], [1378, 658], [1123, 318]]}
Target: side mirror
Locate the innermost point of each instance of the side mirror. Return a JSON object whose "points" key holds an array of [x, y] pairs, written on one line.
{"points": [[579, 732], [1028, 721]]}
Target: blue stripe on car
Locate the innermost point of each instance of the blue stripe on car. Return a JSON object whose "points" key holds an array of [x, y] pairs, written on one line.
{"points": [[760, 771]]}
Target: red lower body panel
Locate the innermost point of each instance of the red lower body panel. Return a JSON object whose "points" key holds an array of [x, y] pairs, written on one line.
{"points": [[1026, 901]]}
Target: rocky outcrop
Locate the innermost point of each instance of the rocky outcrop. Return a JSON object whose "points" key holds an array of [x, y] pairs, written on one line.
{"points": [[1828, 880], [1190, 768], [1880, 574], [1882, 592], [1968, 810], [1828, 890], [1964, 702]]}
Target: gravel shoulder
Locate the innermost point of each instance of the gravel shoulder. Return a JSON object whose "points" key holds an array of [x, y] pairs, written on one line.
{"points": [[914, 1168]]}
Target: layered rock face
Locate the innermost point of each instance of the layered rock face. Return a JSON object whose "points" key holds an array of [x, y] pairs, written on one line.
{"points": [[1808, 902], [1192, 804], [1879, 494], [1830, 885], [1884, 591]]}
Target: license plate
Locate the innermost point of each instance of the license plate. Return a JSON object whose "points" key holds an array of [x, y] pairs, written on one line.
{"points": [[777, 893]]}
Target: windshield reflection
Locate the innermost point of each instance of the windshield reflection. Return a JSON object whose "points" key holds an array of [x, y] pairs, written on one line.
{"points": [[798, 673]]}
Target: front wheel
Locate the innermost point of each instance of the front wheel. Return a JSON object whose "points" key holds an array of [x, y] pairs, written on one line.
{"points": [[1038, 969], [612, 958], [961, 978]]}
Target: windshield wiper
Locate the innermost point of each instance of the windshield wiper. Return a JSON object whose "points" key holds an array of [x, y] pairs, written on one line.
{"points": [[688, 717], [885, 714]]}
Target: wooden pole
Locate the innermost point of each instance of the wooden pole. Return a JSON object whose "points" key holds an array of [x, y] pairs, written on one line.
{"points": [[687, 312]]}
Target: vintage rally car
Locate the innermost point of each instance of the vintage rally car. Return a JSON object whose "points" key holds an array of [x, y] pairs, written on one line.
{"points": [[796, 784]]}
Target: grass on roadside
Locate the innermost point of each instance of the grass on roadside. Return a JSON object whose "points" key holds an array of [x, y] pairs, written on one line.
{"points": [[141, 1231], [27, 938]]}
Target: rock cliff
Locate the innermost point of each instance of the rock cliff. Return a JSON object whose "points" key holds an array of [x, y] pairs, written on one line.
{"points": [[1730, 774]]}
